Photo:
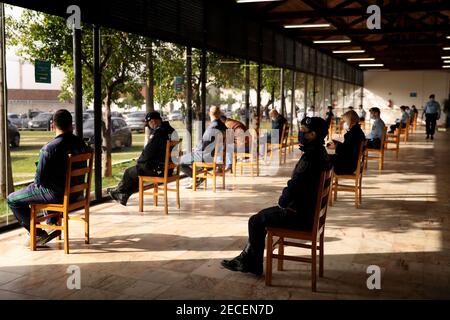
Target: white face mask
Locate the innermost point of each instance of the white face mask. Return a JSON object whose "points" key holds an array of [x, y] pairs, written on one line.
{"points": [[346, 126]]}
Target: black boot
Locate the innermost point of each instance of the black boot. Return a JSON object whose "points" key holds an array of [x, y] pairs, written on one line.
{"points": [[244, 262]]}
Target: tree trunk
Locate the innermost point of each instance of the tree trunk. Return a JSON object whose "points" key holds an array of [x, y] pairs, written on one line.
{"points": [[149, 104], [106, 135]]}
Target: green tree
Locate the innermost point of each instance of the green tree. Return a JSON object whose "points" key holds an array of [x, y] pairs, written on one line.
{"points": [[46, 37]]}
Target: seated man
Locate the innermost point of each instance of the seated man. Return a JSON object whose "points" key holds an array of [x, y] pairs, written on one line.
{"points": [[204, 151], [297, 203], [400, 123], [149, 163], [375, 135], [278, 122], [50, 179]]}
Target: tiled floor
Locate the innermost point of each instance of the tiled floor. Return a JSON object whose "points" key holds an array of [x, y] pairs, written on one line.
{"points": [[402, 227]]}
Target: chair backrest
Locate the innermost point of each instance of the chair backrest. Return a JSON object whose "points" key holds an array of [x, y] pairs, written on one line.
{"points": [[284, 132], [168, 162], [83, 164], [323, 194], [361, 158]]}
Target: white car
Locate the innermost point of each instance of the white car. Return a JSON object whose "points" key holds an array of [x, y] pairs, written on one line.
{"points": [[175, 115]]}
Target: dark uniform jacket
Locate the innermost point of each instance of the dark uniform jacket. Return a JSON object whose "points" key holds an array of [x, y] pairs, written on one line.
{"points": [[278, 124], [345, 160], [52, 164], [300, 195], [152, 158]]}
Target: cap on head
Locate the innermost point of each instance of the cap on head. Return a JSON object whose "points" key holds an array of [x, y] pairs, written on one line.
{"points": [[153, 115], [316, 124]]}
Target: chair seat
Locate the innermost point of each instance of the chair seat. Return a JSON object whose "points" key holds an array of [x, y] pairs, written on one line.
{"points": [[156, 179], [291, 233], [345, 176], [207, 164]]}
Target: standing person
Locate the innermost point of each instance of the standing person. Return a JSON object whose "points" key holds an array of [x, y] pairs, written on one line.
{"points": [[50, 179], [329, 116], [345, 159], [296, 206], [150, 162], [432, 112], [375, 135]]}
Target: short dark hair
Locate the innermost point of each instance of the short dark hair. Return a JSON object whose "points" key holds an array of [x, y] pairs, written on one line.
{"points": [[62, 119], [375, 110], [432, 96], [316, 124]]}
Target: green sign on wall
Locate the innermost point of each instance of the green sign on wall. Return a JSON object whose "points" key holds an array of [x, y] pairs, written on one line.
{"points": [[42, 71]]}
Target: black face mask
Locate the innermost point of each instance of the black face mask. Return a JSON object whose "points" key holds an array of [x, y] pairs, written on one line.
{"points": [[301, 138]]}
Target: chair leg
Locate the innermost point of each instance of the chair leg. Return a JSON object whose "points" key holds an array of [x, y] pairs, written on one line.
{"points": [[33, 229], [141, 195], [86, 224], [335, 189], [234, 164], [313, 265], [321, 255], [356, 195], [155, 194], [178, 193], [214, 178], [223, 178], [166, 202], [194, 177], [58, 223], [360, 191], [66, 232], [281, 254], [269, 259]]}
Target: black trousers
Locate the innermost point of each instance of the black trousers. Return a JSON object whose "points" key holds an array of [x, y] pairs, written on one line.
{"points": [[430, 122], [271, 217], [20, 201], [374, 143], [130, 180]]}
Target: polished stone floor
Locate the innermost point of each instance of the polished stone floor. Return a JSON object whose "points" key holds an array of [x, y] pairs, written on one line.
{"points": [[402, 226]]}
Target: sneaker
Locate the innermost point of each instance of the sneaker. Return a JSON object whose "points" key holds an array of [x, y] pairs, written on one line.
{"points": [[198, 183], [119, 197], [41, 238]]}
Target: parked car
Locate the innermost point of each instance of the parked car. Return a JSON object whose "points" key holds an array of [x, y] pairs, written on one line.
{"points": [[41, 122], [86, 116], [120, 132], [14, 135], [116, 114], [136, 121], [15, 119], [175, 115]]}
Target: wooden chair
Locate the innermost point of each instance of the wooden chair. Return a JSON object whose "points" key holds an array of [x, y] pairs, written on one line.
{"points": [[356, 176], [281, 146], [393, 138], [315, 235], [246, 159], [165, 180], [413, 124], [379, 153], [405, 131], [61, 211], [211, 169]]}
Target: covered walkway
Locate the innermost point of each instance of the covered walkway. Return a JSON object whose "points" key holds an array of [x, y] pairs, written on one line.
{"points": [[403, 227]]}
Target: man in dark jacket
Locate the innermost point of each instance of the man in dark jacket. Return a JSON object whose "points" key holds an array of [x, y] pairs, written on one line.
{"points": [[149, 163], [50, 179], [296, 205], [205, 149], [278, 122]]}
